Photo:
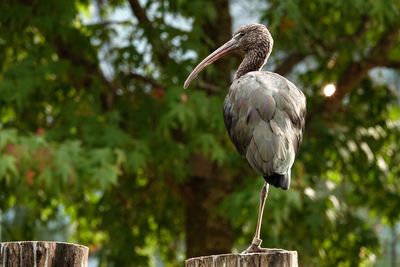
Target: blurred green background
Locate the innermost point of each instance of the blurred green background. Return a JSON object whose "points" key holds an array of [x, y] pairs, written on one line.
{"points": [[101, 145]]}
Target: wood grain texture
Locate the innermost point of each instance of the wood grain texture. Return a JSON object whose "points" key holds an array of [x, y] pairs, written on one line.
{"points": [[42, 254], [270, 258]]}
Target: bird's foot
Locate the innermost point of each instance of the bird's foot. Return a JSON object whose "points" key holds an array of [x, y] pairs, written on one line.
{"points": [[255, 247]]}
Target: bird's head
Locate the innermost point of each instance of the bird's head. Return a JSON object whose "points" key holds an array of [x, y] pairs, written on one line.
{"points": [[253, 36], [248, 38]]}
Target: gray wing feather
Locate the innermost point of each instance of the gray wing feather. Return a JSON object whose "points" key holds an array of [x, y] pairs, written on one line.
{"points": [[264, 114]]}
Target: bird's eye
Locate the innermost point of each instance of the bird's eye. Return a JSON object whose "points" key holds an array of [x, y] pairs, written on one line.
{"points": [[239, 34]]}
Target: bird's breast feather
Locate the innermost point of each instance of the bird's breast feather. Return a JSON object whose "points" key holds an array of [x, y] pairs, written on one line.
{"points": [[264, 115]]}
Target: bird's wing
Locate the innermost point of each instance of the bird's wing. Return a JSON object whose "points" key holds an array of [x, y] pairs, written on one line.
{"points": [[264, 115]]}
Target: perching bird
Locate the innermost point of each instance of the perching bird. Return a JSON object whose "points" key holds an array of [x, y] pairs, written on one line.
{"points": [[264, 113]]}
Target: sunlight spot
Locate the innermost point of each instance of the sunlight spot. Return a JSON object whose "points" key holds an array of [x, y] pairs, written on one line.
{"points": [[310, 193], [367, 150], [382, 164], [329, 89], [334, 201]]}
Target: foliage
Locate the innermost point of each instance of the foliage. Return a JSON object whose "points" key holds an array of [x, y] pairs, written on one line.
{"points": [[100, 143]]}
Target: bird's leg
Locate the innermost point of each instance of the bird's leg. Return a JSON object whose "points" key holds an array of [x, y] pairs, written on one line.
{"points": [[255, 244]]}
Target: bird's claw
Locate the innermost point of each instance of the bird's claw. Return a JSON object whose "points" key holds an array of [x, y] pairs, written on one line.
{"points": [[255, 247]]}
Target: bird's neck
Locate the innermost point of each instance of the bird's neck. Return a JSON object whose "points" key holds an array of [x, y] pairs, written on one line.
{"points": [[254, 60]]}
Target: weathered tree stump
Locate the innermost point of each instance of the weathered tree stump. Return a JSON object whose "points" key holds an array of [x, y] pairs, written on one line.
{"points": [[42, 254], [270, 258]]}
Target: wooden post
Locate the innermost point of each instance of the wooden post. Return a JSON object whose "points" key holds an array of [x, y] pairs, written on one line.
{"points": [[270, 258], [42, 254]]}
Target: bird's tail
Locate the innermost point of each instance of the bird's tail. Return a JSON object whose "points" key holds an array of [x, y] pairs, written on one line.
{"points": [[279, 180]]}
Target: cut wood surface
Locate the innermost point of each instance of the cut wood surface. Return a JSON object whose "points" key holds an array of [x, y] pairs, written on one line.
{"points": [[270, 258], [42, 254]]}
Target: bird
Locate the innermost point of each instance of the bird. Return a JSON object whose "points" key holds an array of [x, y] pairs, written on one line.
{"points": [[264, 113]]}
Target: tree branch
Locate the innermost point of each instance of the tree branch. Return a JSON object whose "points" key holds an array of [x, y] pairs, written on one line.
{"points": [[107, 23], [141, 15], [288, 63], [145, 79], [361, 30], [393, 64], [209, 87], [160, 48], [356, 71]]}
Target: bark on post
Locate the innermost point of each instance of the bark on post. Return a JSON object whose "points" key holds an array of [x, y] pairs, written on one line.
{"points": [[271, 258], [42, 254]]}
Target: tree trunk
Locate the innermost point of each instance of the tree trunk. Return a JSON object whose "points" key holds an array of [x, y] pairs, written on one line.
{"points": [[271, 258], [42, 254], [206, 231], [217, 32]]}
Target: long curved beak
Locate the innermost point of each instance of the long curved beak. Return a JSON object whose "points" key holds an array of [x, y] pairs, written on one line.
{"points": [[220, 52]]}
